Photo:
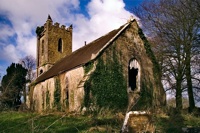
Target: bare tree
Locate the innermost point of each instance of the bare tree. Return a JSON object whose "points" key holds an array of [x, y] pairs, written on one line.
{"points": [[29, 63], [174, 26]]}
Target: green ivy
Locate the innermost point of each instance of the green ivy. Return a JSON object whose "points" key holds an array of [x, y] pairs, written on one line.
{"points": [[88, 66], [146, 97], [57, 93], [156, 70], [47, 100], [107, 83], [147, 46], [39, 30]]}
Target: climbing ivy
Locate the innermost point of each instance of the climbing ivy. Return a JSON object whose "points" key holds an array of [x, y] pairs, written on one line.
{"points": [[147, 94], [57, 94], [47, 100], [107, 83], [146, 97], [88, 66], [147, 46]]}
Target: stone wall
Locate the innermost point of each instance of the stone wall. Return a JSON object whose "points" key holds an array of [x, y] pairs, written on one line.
{"points": [[70, 81], [43, 93], [47, 45], [130, 45]]}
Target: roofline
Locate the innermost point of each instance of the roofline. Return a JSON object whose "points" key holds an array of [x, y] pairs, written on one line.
{"points": [[94, 56], [111, 40]]}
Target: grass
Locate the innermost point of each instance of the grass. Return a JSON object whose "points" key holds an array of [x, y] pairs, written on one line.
{"points": [[175, 122], [103, 121], [17, 122]]}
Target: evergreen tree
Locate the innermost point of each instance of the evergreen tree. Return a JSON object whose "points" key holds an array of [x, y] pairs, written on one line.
{"points": [[13, 84]]}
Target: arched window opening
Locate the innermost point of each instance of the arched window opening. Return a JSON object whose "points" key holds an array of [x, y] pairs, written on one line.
{"points": [[60, 45], [133, 72], [42, 47]]}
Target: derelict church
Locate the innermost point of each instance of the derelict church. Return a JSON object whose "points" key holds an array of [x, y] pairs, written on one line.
{"points": [[110, 71]]}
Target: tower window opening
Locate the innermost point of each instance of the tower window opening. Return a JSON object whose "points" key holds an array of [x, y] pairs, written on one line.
{"points": [[42, 47], [60, 45]]}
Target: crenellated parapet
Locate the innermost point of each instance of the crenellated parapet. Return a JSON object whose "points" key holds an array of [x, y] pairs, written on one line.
{"points": [[54, 41]]}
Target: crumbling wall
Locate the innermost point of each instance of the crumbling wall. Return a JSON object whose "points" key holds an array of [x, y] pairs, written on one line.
{"points": [[130, 44], [71, 80], [51, 93], [43, 95]]}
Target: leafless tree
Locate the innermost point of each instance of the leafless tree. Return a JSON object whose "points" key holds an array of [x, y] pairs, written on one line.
{"points": [[173, 26], [29, 63]]}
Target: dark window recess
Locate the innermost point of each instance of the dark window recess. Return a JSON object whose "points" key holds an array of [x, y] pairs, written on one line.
{"points": [[67, 89], [132, 76], [42, 47], [41, 71], [60, 45]]}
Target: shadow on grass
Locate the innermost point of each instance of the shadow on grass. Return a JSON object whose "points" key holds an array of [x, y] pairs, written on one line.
{"points": [[171, 124]]}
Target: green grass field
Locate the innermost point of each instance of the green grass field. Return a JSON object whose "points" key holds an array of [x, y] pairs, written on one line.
{"points": [[20, 122], [104, 122]]}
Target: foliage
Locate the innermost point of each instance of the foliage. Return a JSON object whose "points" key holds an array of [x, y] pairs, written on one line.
{"points": [[12, 85], [147, 46], [146, 98], [107, 83], [57, 94], [88, 66], [39, 30]]}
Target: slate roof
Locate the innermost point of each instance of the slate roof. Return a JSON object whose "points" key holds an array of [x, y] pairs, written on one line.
{"points": [[82, 55]]}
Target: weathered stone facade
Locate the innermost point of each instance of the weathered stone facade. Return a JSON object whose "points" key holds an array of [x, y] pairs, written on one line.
{"points": [[71, 96], [53, 44], [69, 76]]}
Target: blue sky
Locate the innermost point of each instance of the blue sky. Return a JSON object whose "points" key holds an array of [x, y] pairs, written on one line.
{"points": [[90, 18]]}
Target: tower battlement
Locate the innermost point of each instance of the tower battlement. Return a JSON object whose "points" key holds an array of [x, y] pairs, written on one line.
{"points": [[53, 43]]}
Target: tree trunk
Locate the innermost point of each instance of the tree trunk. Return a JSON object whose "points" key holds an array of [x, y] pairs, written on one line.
{"points": [[179, 105], [189, 81]]}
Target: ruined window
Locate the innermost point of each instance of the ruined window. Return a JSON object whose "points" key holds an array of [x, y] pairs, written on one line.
{"points": [[133, 72], [42, 47], [60, 45]]}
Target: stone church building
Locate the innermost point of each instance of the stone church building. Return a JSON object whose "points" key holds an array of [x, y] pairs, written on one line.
{"points": [[118, 68]]}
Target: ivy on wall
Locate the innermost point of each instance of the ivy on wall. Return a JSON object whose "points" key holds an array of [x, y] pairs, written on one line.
{"points": [[39, 30], [147, 46], [147, 90], [146, 97], [107, 85], [47, 100], [57, 94]]}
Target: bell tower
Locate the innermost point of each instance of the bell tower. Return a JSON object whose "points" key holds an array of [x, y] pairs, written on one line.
{"points": [[53, 43]]}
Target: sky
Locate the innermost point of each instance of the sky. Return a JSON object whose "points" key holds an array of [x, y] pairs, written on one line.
{"points": [[90, 19]]}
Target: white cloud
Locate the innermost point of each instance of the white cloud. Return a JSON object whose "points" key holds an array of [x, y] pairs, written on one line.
{"points": [[10, 53], [104, 16], [6, 31]]}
